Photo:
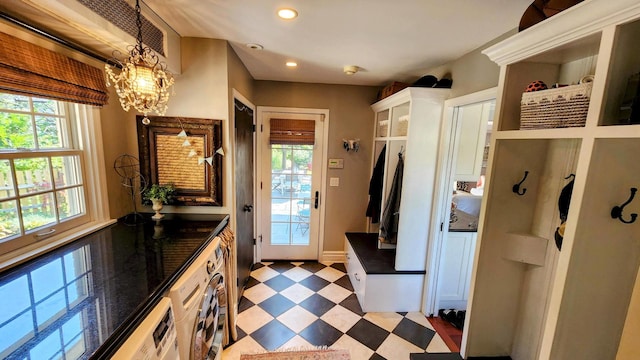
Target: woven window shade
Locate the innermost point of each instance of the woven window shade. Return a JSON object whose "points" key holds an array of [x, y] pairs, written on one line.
{"points": [[292, 132], [32, 70]]}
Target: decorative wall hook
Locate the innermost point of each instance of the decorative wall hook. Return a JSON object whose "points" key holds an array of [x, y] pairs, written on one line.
{"points": [[516, 187], [351, 144], [616, 212]]}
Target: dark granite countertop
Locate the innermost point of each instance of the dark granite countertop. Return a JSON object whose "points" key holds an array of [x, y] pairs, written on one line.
{"points": [[464, 222], [375, 261], [84, 299]]}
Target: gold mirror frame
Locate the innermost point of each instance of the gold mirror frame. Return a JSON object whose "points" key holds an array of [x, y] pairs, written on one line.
{"points": [[193, 167]]}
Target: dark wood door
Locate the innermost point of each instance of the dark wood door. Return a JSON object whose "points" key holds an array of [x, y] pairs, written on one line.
{"points": [[244, 191]]}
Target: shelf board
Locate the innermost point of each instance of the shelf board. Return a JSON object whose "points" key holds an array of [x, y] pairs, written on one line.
{"points": [[618, 131], [525, 248], [557, 133]]}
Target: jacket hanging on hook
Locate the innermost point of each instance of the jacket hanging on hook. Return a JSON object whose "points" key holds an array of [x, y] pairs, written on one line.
{"points": [[391, 214]]}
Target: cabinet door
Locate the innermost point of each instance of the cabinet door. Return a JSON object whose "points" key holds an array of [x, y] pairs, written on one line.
{"points": [[454, 274], [471, 133]]}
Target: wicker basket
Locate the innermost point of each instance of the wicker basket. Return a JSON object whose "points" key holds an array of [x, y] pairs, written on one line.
{"points": [[555, 108]]}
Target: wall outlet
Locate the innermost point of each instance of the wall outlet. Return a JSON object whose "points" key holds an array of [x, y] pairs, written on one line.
{"points": [[334, 181]]}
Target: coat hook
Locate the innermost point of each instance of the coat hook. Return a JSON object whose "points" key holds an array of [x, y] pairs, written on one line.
{"points": [[570, 176], [516, 187], [616, 212]]}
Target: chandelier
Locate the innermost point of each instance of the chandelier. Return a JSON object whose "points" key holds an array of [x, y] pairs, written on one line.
{"points": [[143, 82]]}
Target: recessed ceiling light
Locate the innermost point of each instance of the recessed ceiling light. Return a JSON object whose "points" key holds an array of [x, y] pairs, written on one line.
{"points": [[287, 13], [255, 46], [291, 64]]}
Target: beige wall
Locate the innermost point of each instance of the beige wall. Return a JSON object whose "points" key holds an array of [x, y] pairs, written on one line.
{"points": [[471, 72], [350, 116]]}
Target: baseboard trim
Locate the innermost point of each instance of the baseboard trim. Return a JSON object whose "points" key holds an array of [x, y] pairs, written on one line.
{"points": [[333, 256]]}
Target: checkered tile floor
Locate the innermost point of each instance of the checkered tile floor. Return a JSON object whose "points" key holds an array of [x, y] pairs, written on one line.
{"points": [[295, 304]]}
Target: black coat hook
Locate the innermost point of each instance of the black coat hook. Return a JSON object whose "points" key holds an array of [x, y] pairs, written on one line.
{"points": [[516, 187], [616, 212]]}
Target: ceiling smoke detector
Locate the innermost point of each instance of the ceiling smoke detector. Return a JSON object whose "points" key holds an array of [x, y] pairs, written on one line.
{"points": [[351, 69], [254, 46]]}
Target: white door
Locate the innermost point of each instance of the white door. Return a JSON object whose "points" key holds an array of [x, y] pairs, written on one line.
{"points": [[291, 193]]}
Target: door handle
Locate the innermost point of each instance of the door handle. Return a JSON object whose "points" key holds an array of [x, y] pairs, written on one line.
{"points": [[315, 202], [248, 208]]}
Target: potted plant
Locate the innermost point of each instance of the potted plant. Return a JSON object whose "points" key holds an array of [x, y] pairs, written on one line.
{"points": [[158, 195]]}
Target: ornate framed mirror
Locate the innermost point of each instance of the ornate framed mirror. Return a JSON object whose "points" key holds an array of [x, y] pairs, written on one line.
{"points": [[182, 151]]}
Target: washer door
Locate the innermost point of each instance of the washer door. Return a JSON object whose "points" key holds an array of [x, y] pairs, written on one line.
{"points": [[210, 321]]}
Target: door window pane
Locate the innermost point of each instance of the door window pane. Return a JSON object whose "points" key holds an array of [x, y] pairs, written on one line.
{"points": [[280, 233]]}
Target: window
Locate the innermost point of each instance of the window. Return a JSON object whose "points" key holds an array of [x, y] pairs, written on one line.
{"points": [[42, 191]]}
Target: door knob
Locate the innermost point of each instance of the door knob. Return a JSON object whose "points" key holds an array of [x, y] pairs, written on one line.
{"points": [[248, 208]]}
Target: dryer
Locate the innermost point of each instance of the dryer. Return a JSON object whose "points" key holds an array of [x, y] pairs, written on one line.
{"points": [[155, 338], [199, 302]]}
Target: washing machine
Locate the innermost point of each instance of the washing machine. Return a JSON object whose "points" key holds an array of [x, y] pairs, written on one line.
{"points": [[199, 303], [155, 338]]}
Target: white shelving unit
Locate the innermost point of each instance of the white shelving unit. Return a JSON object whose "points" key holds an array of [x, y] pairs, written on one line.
{"points": [[530, 300], [409, 122]]}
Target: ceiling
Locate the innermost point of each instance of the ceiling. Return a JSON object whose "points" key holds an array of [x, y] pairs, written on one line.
{"points": [[389, 40]]}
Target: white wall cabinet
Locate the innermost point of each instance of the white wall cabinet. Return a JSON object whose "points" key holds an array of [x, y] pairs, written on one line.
{"points": [[409, 122], [471, 134], [570, 303], [456, 261]]}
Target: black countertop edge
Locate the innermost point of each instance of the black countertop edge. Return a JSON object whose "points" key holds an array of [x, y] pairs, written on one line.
{"points": [[376, 261], [463, 230], [122, 333]]}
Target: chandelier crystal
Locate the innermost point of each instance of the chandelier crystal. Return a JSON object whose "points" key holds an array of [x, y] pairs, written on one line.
{"points": [[144, 81]]}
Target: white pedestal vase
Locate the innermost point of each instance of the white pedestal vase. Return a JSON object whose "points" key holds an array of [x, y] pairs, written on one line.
{"points": [[157, 206]]}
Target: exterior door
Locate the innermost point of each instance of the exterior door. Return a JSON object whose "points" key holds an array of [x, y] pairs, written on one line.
{"points": [[291, 195], [244, 191]]}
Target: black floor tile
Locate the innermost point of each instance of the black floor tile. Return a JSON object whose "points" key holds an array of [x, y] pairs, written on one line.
{"points": [[377, 356], [256, 266], [435, 356], [368, 334], [251, 282], [281, 266], [351, 303], [272, 335], [339, 266], [276, 305], [279, 283], [313, 266], [244, 304], [414, 333], [319, 333], [317, 305], [344, 282], [314, 283], [403, 313], [241, 333]]}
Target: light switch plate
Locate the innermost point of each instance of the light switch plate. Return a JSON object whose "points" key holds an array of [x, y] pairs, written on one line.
{"points": [[334, 181]]}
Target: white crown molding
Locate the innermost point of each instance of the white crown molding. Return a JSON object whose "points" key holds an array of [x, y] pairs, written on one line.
{"points": [[577, 22]]}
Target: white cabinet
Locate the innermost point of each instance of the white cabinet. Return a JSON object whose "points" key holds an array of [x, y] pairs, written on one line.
{"points": [[409, 122], [530, 300], [469, 143], [456, 265]]}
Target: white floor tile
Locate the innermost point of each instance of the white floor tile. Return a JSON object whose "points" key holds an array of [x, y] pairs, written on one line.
{"points": [[253, 319], [340, 318], [296, 293], [386, 320], [335, 293], [357, 350], [396, 348], [264, 273], [246, 345], [437, 345], [330, 274], [297, 318], [297, 274], [259, 293]]}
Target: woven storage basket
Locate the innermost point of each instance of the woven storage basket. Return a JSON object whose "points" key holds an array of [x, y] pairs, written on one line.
{"points": [[555, 108]]}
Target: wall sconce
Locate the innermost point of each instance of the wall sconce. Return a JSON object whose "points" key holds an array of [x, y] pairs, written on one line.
{"points": [[351, 144]]}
